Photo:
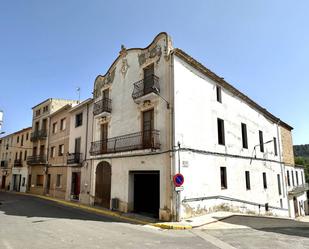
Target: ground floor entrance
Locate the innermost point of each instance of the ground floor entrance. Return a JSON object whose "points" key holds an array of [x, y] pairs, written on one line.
{"points": [[16, 182], [103, 184], [75, 185], [146, 192], [3, 182]]}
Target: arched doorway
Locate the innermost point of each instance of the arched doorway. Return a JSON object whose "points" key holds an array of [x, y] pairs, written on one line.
{"points": [[103, 184]]}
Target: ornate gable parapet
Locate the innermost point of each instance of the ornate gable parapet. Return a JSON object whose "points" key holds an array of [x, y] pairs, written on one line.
{"points": [[102, 81]]}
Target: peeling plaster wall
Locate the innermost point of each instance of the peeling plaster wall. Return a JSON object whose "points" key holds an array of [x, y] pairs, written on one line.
{"points": [[196, 113]]}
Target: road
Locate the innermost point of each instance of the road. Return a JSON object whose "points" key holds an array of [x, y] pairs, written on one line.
{"points": [[29, 222]]}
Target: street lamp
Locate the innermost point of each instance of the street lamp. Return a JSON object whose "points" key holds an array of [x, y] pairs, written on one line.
{"points": [[254, 148]]}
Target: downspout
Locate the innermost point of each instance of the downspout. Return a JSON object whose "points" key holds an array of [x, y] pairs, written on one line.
{"points": [[282, 166], [174, 206]]}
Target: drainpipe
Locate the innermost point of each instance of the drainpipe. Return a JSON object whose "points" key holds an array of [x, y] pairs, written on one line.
{"points": [[282, 166], [174, 203]]}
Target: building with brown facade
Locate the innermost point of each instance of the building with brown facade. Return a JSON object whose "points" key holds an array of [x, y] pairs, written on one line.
{"points": [[41, 125]]}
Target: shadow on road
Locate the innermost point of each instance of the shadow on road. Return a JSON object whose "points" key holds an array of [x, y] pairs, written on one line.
{"points": [[269, 224], [30, 207]]}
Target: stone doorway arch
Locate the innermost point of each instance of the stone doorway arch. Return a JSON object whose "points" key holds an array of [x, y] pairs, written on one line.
{"points": [[103, 184]]}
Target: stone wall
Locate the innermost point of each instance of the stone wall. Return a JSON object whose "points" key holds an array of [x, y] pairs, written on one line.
{"points": [[287, 146]]}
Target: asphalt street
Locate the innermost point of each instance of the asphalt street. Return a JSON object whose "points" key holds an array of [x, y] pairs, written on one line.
{"points": [[27, 222]]}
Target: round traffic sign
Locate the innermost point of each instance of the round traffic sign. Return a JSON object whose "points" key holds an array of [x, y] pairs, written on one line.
{"points": [[178, 180]]}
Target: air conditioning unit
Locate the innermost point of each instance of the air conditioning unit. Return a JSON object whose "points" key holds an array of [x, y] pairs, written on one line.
{"points": [[115, 203]]}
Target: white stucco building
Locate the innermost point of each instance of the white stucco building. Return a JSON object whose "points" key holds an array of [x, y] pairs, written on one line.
{"points": [[158, 112]]}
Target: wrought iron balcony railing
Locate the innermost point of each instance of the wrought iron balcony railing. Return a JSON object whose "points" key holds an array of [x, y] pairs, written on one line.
{"points": [[41, 159], [18, 163], [37, 135], [135, 141], [149, 84], [103, 105], [4, 164], [74, 158]]}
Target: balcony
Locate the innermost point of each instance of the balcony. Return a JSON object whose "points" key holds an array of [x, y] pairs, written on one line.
{"points": [[4, 164], [32, 160], [129, 142], [18, 163], [74, 158], [146, 89], [102, 107], [37, 135], [299, 189]]}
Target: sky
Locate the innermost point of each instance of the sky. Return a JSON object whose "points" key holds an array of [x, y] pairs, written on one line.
{"points": [[49, 48]]}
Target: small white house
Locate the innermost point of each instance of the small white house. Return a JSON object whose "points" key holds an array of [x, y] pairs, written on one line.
{"points": [[158, 112]]}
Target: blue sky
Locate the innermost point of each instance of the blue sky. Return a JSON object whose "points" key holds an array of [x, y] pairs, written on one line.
{"points": [[48, 48]]}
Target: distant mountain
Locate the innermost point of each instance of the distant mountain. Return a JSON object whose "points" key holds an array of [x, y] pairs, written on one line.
{"points": [[301, 150]]}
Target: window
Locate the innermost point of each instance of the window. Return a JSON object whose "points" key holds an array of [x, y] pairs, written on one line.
{"points": [[292, 173], [58, 180], [244, 135], [22, 140], [288, 176], [17, 139], [221, 138], [275, 146], [39, 180], [45, 108], [219, 95], [261, 141], [52, 151], [27, 136], [302, 177], [25, 155], [223, 178], [62, 124], [248, 187], [61, 150], [264, 180], [54, 129], [37, 112], [297, 183], [79, 119], [279, 184], [281, 203]]}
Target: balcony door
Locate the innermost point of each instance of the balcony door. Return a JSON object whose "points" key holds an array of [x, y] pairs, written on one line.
{"points": [[44, 125], [148, 123], [148, 78], [42, 150], [77, 149], [104, 132]]}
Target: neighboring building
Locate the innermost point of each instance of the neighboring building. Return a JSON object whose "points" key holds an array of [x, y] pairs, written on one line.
{"points": [[21, 148], [78, 160], [6, 161], [295, 177], [58, 146], [38, 161], [158, 112]]}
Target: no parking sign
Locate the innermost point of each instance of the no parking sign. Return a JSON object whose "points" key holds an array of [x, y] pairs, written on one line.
{"points": [[178, 180]]}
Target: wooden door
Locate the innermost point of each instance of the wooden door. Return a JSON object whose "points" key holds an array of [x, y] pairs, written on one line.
{"points": [[103, 185], [295, 207], [148, 123]]}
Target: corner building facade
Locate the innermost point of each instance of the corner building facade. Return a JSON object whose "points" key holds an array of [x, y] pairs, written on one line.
{"points": [[158, 112]]}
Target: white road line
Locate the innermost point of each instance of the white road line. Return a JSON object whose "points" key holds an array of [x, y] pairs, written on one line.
{"points": [[6, 244], [213, 240]]}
